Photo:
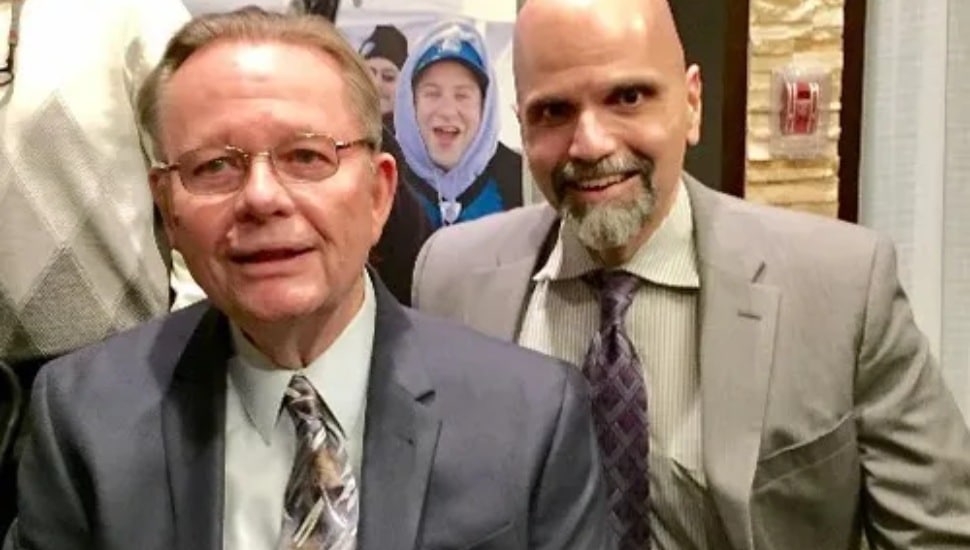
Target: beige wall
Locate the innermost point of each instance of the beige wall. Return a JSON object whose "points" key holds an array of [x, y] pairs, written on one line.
{"points": [[782, 31]]}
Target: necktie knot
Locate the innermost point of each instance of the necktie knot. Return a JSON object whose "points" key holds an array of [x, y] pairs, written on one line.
{"points": [[304, 405], [615, 289]]}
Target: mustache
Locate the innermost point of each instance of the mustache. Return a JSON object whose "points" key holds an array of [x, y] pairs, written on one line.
{"points": [[573, 171]]}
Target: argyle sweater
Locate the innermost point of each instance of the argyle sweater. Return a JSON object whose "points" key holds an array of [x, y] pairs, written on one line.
{"points": [[79, 257]]}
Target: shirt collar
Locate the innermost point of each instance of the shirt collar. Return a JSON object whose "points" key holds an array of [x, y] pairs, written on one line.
{"points": [[668, 258], [340, 374]]}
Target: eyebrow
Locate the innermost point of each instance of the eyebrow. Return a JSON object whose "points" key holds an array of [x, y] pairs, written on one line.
{"points": [[648, 82], [468, 86]]}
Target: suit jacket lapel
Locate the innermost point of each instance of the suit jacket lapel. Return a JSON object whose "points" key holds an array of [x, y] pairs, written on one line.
{"points": [[737, 327], [497, 293], [401, 433], [193, 418]]}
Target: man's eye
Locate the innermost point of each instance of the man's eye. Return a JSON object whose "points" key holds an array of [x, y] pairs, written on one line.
{"points": [[303, 156], [214, 166], [631, 96], [306, 163], [550, 113]]}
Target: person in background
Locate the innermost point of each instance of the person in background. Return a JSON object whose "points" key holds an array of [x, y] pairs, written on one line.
{"points": [[758, 381], [385, 51], [447, 121], [302, 407], [81, 258], [407, 227], [324, 8]]}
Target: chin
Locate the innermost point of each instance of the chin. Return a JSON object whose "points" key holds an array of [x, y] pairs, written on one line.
{"points": [[443, 163], [610, 224], [278, 305]]}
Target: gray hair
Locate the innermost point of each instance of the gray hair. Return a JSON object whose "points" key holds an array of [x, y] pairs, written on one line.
{"points": [[254, 25]]}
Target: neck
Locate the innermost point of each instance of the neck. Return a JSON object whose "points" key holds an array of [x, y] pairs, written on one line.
{"points": [[295, 343]]}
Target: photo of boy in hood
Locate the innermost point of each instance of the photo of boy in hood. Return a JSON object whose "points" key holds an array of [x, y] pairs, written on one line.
{"points": [[447, 123]]}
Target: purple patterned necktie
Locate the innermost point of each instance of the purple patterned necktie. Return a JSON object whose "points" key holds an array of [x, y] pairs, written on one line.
{"points": [[619, 404]]}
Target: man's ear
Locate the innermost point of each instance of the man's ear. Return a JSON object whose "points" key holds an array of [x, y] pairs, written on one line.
{"points": [[694, 87], [385, 176], [160, 185]]}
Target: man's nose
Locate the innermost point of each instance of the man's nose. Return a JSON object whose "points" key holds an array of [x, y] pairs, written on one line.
{"points": [[263, 193], [447, 108], [592, 140]]}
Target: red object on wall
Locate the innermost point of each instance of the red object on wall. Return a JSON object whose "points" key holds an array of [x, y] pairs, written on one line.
{"points": [[799, 108]]}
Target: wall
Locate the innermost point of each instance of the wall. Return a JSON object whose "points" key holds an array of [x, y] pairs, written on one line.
{"points": [[916, 163], [782, 31]]}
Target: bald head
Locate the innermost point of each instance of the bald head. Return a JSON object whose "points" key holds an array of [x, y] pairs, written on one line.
{"points": [[544, 27], [606, 109]]}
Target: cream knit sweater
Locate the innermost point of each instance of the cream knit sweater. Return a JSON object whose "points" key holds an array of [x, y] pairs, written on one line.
{"points": [[78, 253]]}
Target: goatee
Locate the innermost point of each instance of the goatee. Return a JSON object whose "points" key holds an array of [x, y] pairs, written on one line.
{"points": [[613, 223]]}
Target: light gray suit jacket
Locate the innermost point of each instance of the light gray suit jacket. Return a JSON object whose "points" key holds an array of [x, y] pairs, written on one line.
{"points": [[470, 443], [824, 413]]}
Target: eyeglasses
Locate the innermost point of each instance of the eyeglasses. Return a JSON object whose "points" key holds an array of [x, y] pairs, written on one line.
{"points": [[307, 158], [6, 72]]}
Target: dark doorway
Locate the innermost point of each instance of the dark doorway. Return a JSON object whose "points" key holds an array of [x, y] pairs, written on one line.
{"points": [[716, 38]]}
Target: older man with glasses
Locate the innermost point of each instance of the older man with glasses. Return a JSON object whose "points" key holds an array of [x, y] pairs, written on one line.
{"points": [[302, 407]]}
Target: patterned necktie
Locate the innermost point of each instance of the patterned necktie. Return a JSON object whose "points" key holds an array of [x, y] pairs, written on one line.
{"points": [[619, 405], [321, 501]]}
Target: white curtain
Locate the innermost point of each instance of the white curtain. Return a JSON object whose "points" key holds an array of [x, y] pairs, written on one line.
{"points": [[915, 171]]}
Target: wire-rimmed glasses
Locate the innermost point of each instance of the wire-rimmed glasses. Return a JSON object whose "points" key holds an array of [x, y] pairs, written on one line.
{"points": [[306, 158]]}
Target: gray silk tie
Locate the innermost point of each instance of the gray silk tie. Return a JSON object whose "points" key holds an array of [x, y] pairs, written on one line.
{"points": [[619, 405], [321, 501]]}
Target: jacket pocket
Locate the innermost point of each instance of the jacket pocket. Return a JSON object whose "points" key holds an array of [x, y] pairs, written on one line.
{"points": [[499, 539], [799, 457]]}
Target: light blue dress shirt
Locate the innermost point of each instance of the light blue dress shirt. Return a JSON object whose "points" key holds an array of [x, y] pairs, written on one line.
{"points": [[261, 442]]}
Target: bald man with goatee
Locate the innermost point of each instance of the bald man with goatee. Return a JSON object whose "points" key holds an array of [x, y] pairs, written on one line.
{"points": [[757, 379]]}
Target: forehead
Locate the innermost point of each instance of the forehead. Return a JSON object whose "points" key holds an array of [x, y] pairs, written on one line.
{"points": [[613, 51], [228, 84], [381, 63], [447, 71]]}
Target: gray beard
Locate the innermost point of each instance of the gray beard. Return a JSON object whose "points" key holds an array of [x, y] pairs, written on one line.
{"points": [[612, 224]]}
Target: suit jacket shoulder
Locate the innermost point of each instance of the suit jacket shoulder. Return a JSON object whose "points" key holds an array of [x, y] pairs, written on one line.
{"points": [[96, 441], [512, 237], [143, 357], [726, 224]]}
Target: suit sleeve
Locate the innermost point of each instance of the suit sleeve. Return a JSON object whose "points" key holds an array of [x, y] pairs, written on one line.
{"points": [[914, 442], [51, 515], [569, 509]]}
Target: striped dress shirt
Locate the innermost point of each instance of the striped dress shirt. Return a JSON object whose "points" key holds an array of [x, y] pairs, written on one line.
{"points": [[560, 319]]}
